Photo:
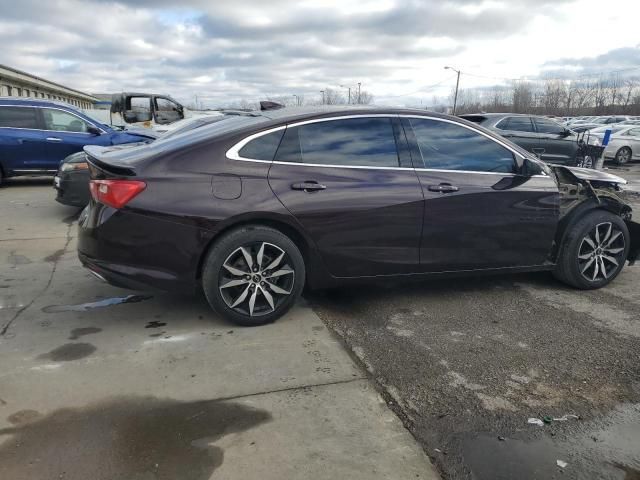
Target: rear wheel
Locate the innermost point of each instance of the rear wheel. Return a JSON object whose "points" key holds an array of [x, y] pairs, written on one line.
{"points": [[594, 251], [253, 275], [623, 155]]}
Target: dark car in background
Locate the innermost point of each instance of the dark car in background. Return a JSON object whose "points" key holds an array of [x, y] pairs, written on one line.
{"points": [[35, 135], [72, 179], [547, 139], [251, 208]]}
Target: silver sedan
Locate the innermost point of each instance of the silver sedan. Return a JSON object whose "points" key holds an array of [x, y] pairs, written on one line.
{"points": [[624, 145]]}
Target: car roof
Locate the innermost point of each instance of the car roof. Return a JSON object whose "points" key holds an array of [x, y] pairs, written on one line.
{"points": [[36, 102]]}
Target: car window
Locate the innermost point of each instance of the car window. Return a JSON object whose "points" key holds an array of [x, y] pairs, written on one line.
{"points": [[448, 146], [545, 125], [354, 141], [63, 121], [634, 132], [18, 117], [263, 147], [139, 104], [519, 124], [166, 105]]}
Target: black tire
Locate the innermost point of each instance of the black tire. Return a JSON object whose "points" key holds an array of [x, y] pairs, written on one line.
{"points": [[575, 252], [227, 249], [623, 155], [1, 176]]}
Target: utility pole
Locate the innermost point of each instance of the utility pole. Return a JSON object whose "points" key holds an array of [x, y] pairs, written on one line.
{"points": [[358, 93], [455, 97], [322, 92]]}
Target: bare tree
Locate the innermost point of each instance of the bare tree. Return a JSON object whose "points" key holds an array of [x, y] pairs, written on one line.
{"points": [[522, 97]]}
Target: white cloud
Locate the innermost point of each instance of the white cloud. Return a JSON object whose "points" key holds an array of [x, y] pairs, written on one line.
{"points": [[223, 51]]}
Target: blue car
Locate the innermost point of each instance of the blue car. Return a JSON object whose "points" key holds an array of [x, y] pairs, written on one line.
{"points": [[35, 135]]}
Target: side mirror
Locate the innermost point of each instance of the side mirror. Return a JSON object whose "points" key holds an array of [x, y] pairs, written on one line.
{"points": [[566, 132], [93, 130], [531, 168]]}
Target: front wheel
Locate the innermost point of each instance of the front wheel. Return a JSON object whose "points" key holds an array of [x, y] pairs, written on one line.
{"points": [[253, 275], [594, 251], [623, 155]]}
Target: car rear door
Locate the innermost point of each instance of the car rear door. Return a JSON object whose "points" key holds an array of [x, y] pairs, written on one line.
{"points": [[480, 212], [22, 146], [350, 184], [66, 133], [557, 146]]}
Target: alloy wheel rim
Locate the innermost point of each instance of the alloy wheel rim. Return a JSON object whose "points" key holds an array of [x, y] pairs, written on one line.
{"points": [[601, 251], [256, 278], [623, 155]]}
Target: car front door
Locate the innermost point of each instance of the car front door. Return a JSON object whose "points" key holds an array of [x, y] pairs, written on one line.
{"points": [[480, 211], [559, 145], [167, 111], [22, 143], [66, 133], [519, 129], [350, 184]]}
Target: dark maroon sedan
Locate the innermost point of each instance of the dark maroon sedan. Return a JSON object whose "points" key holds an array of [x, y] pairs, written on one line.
{"points": [[254, 206]]}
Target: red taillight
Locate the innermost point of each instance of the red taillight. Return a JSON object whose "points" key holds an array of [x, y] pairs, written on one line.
{"points": [[115, 193]]}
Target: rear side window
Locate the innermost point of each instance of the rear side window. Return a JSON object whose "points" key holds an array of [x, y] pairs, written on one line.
{"points": [[548, 126], [516, 124], [263, 147], [447, 146], [18, 117], [367, 142]]}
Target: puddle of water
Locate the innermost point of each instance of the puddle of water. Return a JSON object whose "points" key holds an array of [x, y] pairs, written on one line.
{"points": [[69, 352], [76, 333], [606, 449], [107, 302], [125, 438]]}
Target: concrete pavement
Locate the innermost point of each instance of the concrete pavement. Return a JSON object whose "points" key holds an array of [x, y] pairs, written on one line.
{"points": [[103, 383]]}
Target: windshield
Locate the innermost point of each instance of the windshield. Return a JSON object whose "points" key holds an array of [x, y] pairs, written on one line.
{"points": [[602, 130]]}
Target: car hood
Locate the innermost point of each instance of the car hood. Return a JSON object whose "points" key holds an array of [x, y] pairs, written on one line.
{"points": [[590, 174]]}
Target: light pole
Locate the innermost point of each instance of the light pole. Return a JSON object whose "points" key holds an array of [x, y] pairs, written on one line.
{"points": [[322, 92], [297, 99], [358, 93], [455, 97]]}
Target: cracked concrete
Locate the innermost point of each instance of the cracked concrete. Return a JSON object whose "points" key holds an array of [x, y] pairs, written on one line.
{"points": [[79, 386]]}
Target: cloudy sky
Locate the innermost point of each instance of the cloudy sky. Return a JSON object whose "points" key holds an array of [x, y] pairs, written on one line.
{"points": [[225, 50]]}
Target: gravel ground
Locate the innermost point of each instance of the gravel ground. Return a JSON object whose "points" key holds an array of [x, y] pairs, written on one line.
{"points": [[466, 362]]}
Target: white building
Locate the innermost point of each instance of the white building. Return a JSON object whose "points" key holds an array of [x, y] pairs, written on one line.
{"points": [[15, 83]]}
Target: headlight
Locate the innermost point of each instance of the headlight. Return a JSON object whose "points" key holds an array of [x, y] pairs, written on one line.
{"points": [[68, 167]]}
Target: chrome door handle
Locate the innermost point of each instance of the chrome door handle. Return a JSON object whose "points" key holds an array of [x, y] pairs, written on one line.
{"points": [[308, 186], [53, 139], [443, 188]]}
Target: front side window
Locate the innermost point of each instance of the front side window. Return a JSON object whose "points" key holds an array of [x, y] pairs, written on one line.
{"points": [[350, 142], [448, 146], [545, 125], [166, 105], [18, 117], [60, 121]]}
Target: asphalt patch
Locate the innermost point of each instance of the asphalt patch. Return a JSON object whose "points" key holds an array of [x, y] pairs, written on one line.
{"points": [[68, 352], [132, 438]]}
